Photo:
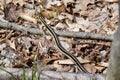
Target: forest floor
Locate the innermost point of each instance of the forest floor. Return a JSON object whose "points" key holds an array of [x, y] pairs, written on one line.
{"points": [[24, 48]]}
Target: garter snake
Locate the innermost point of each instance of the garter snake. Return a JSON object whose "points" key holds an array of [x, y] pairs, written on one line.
{"points": [[64, 51]]}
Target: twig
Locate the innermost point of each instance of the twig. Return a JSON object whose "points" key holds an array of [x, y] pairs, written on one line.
{"points": [[51, 75], [90, 43], [8, 36], [82, 35]]}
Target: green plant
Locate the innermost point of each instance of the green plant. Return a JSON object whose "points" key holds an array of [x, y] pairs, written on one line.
{"points": [[34, 75], [57, 11], [24, 74]]}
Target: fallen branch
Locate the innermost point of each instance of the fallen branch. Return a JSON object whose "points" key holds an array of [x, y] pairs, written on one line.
{"points": [[50, 75], [82, 35]]}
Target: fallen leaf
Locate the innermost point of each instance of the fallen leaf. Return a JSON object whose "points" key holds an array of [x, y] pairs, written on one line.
{"points": [[102, 31], [90, 67], [11, 12], [27, 17], [68, 61], [111, 0], [105, 64], [11, 44], [99, 68]]}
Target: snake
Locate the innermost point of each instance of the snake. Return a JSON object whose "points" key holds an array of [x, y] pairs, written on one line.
{"points": [[60, 47]]}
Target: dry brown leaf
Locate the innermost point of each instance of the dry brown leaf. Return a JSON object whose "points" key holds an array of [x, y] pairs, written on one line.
{"points": [[11, 12], [60, 26], [101, 31], [111, 0], [42, 2], [87, 25], [82, 5], [48, 14], [84, 13], [113, 24], [21, 2], [23, 62], [90, 67], [105, 64], [67, 1], [48, 60], [99, 68], [68, 61], [27, 17], [67, 16], [57, 9], [75, 27], [105, 71], [86, 2], [11, 44], [93, 14], [59, 67]]}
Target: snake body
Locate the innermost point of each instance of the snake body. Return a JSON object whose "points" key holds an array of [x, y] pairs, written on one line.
{"points": [[63, 50]]}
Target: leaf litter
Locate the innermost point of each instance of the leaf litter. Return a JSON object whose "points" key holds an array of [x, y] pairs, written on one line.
{"points": [[96, 16]]}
